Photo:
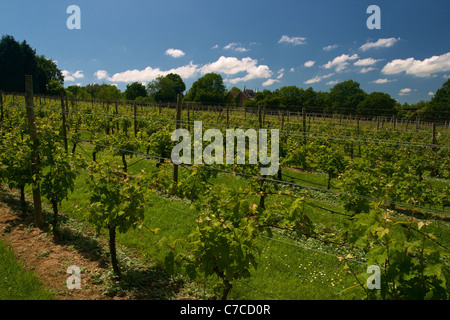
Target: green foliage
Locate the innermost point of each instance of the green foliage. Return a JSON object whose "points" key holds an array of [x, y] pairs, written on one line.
{"points": [[208, 89], [413, 263], [16, 160], [346, 95], [117, 202], [223, 242], [134, 91], [17, 60], [166, 88]]}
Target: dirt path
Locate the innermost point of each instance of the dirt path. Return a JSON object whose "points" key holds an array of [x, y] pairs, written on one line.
{"points": [[39, 253]]}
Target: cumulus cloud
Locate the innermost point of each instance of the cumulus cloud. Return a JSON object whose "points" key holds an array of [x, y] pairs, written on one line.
{"points": [[309, 63], [245, 69], [67, 76], [235, 46], [382, 81], [419, 68], [233, 66], [295, 41], [175, 53], [72, 76], [340, 63], [333, 82], [330, 47], [365, 70], [366, 62], [319, 78], [101, 74], [149, 74], [269, 82], [405, 92], [381, 43]]}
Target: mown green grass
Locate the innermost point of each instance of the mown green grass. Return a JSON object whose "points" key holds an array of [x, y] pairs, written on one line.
{"points": [[288, 269], [15, 282]]}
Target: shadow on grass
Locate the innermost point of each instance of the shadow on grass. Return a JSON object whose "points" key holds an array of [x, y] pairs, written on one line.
{"points": [[138, 281]]}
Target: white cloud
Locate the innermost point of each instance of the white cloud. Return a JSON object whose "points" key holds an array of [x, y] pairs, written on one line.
{"points": [[292, 69], [319, 78], [366, 62], [175, 53], [149, 74], [232, 66], [235, 46], [419, 68], [405, 92], [295, 41], [330, 47], [365, 70], [309, 63], [101, 74], [431, 93], [269, 82], [381, 43], [341, 62], [333, 82], [280, 73], [382, 81], [243, 69], [215, 46], [68, 76]]}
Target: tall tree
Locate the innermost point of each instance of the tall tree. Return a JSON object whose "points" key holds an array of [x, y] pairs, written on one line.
{"points": [[441, 100], [134, 90], [377, 102], [19, 59], [207, 89], [166, 88], [345, 96]]}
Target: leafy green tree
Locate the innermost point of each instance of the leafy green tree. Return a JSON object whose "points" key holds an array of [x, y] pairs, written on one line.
{"points": [[345, 96], [207, 89], [78, 92], [109, 92], [13, 67], [19, 59], [135, 90], [441, 101], [166, 88], [377, 101], [54, 88], [290, 95], [47, 71]]}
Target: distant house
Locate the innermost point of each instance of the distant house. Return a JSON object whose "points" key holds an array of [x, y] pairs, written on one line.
{"points": [[246, 94]]}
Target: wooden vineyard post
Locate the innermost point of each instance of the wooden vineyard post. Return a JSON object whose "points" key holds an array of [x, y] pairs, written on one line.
{"points": [[304, 124], [178, 126], [135, 120], [357, 132], [64, 130], [38, 218], [433, 137]]}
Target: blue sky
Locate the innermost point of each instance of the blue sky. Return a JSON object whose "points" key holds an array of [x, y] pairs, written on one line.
{"points": [[258, 44]]}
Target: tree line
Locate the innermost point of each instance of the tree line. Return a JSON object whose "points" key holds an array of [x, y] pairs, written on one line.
{"points": [[18, 59]]}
